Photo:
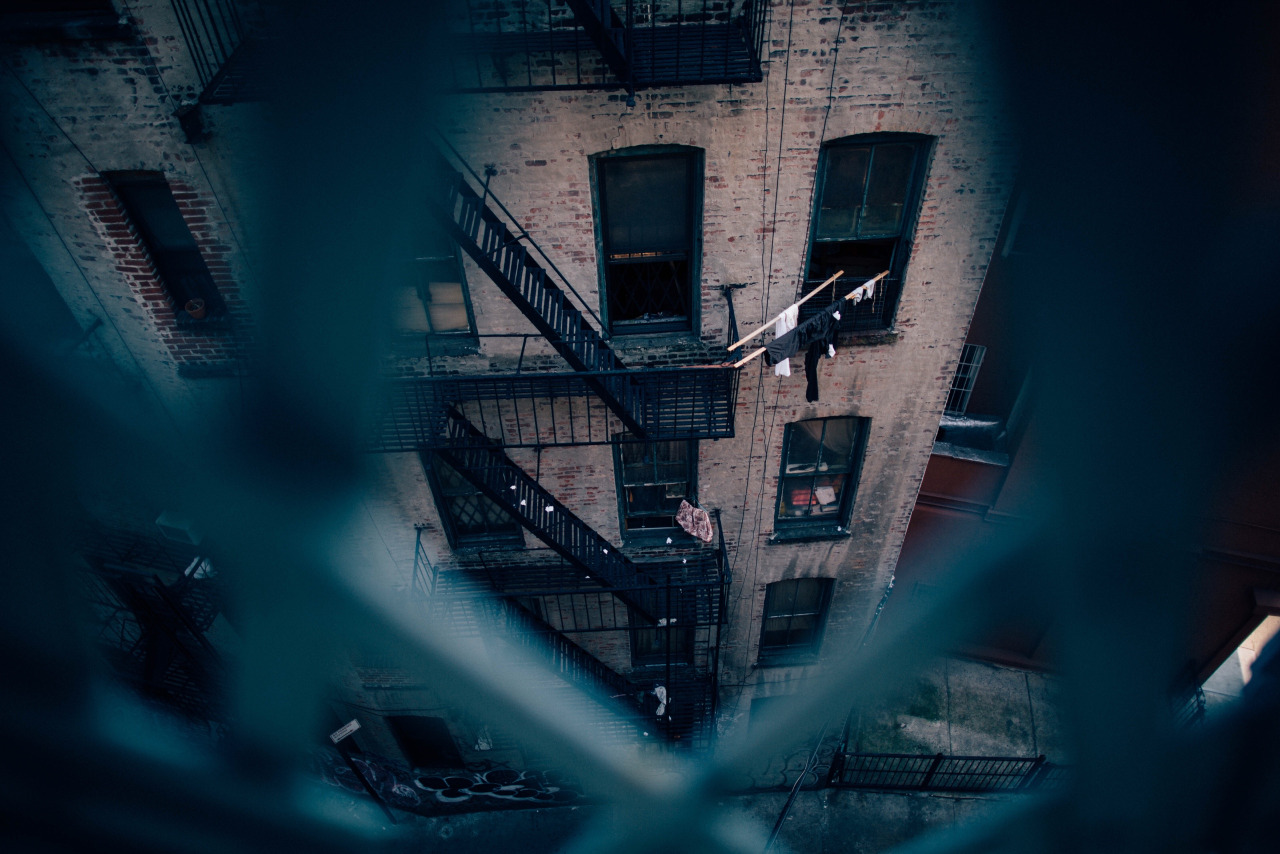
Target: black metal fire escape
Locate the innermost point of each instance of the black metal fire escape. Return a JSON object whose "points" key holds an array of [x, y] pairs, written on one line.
{"points": [[491, 471], [515, 46], [689, 402], [152, 630], [506, 259], [547, 608]]}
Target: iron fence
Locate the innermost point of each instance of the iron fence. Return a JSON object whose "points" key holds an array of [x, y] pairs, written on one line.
{"points": [[942, 773]]}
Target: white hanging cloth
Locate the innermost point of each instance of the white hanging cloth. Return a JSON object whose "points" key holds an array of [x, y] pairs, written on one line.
{"points": [[784, 324]]}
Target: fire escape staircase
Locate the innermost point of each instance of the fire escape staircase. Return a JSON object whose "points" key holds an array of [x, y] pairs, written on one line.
{"points": [[506, 259], [169, 657], [609, 34], [475, 606], [571, 662], [153, 632], [677, 403], [483, 464]]}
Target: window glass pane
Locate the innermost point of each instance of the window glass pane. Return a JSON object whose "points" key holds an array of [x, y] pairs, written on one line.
{"points": [[446, 307], [775, 633], [646, 205], [797, 496], [649, 499], [887, 190], [654, 478], [670, 451], [802, 630], [826, 495], [804, 444], [779, 598], [842, 192], [448, 318], [473, 516], [794, 612], [444, 293], [632, 453], [411, 314], [837, 445], [808, 596]]}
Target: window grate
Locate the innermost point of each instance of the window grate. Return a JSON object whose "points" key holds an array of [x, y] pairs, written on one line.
{"points": [[965, 378]]}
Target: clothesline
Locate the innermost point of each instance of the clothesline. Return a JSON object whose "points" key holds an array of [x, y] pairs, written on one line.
{"points": [[813, 293], [857, 294]]}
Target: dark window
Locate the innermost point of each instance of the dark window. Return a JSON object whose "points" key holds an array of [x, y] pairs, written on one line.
{"points": [[151, 207], [425, 741], [653, 478], [794, 614], [470, 517], [820, 461], [653, 644], [649, 223], [868, 193]]}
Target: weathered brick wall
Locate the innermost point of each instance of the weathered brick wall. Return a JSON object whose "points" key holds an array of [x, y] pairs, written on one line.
{"points": [[832, 71], [68, 114], [216, 345], [71, 110]]}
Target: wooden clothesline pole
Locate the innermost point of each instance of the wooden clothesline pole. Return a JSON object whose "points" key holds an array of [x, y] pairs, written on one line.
{"points": [[813, 293], [755, 353]]}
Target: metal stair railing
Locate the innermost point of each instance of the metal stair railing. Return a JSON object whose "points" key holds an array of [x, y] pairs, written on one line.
{"points": [[676, 403], [485, 466], [507, 260], [565, 657]]}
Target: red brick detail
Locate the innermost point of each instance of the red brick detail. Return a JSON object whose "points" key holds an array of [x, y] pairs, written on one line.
{"points": [[187, 346]]}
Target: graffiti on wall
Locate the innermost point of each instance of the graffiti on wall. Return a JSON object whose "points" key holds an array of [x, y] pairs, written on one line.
{"points": [[428, 794]]}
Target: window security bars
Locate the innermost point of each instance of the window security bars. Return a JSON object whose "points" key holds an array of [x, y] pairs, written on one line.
{"points": [[963, 382]]}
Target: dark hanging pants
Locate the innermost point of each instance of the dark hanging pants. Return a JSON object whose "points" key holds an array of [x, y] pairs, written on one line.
{"points": [[811, 357]]}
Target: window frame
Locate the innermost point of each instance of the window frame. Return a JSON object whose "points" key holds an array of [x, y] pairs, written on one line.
{"points": [[776, 655], [442, 495], [691, 323], [430, 245], [656, 534], [883, 308], [807, 527], [421, 286]]}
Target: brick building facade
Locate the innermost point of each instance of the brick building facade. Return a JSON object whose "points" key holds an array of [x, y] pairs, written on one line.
{"points": [[685, 210]]}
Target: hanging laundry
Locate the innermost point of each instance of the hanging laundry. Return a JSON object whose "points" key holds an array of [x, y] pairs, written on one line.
{"points": [[824, 341], [784, 324], [811, 358], [864, 291], [661, 693], [821, 327], [695, 520]]}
